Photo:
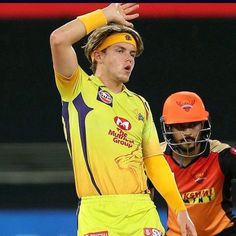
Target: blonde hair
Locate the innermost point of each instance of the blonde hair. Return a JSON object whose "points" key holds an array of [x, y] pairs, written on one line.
{"points": [[99, 35]]}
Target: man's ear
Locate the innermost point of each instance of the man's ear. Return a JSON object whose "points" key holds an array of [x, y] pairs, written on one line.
{"points": [[98, 56]]}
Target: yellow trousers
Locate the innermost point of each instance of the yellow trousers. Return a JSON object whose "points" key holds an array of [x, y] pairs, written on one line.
{"points": [[119, 215]]}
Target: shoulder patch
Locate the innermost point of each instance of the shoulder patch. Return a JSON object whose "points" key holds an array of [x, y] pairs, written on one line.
{"points": [[233, 151], [217, 146]]}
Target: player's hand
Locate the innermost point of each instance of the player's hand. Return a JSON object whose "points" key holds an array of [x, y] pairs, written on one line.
{"points": [[186, 225], [121, 13]]}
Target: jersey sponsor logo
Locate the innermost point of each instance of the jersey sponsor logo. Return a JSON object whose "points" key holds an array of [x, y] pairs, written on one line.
{"points": [[151, 232], [186, 105], [200, 196], [120, 137], [122, 123], [233, 151], [105, 97], [102, 233]]}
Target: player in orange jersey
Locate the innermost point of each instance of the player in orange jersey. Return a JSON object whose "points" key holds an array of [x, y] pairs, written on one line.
{"points": [[203, 168]]}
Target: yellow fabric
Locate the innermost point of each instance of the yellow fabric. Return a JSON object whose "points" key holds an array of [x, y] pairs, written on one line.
{"points": [[163, 179], [108, 135], [93, 20], [116, 215]]}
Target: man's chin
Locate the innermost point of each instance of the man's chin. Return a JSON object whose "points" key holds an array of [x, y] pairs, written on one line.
{"points": [[187, 148], [125, 80]]}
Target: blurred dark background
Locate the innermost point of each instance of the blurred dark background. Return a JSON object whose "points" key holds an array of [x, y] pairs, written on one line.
{"points": [[195, 55], [36, 172]]}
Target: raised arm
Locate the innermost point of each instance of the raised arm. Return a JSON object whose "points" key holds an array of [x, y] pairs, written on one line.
{"points": [[62, 39]]}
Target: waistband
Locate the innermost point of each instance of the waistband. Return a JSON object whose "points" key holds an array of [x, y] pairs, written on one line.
{"points": [[117, 197]]}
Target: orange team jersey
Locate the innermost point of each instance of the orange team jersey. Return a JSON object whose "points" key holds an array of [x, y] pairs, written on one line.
{"points": [[107, 135], [205, 188]]}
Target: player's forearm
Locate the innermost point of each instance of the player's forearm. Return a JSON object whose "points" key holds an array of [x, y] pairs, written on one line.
{"points": [[162, 178], [75, 30], [61, 40]]}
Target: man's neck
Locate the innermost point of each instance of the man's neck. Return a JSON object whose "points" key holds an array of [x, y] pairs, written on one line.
{"points": [[112, 85], [183, 161]]}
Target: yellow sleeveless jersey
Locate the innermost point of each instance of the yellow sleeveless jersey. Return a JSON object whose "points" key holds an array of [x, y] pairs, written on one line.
{"points": [[107, 135]]}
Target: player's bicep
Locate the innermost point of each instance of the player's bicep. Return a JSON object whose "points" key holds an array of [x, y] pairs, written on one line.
{"points": [[64, 60]]}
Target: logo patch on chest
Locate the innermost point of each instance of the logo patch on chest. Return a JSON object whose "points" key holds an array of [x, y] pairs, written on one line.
{"points": [[104, 97], [122, 123], [200, 177]]}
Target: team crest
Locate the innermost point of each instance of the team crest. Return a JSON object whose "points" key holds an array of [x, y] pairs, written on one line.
{"points": [[140, 117], [122, 123], [105, 97], [200, 177], [186, 105]]}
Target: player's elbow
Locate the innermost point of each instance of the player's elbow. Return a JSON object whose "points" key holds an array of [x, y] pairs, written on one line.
{"points": [[57, 38]]}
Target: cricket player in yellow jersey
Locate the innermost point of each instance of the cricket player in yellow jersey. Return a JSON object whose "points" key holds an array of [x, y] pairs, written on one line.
{"points": [[109, 130]]}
